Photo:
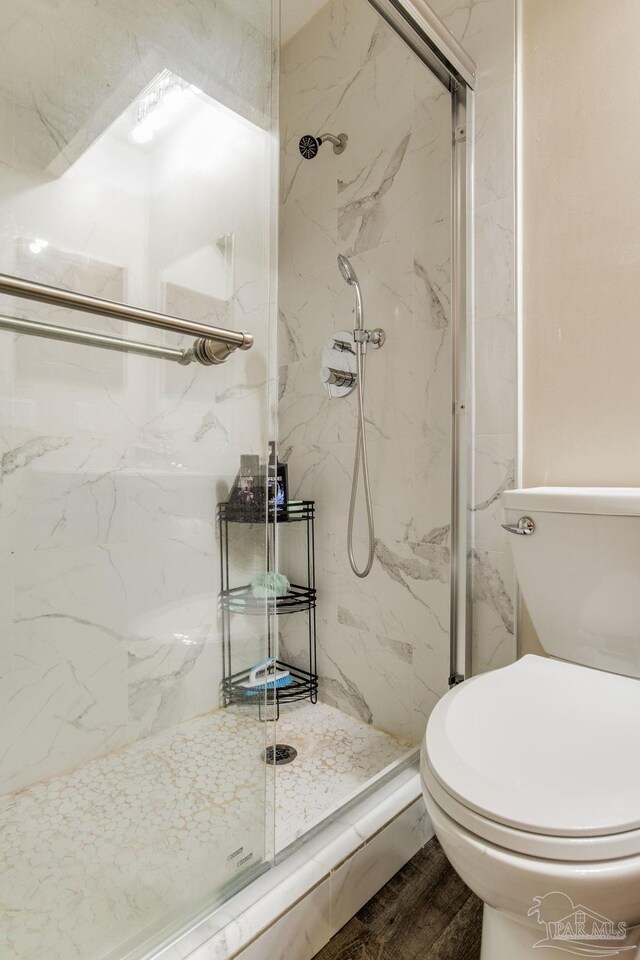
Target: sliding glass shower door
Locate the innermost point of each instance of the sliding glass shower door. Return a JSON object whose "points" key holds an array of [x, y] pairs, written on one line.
{"points": [[135, 166]]}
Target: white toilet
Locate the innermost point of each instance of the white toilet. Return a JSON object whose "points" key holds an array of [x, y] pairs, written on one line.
{"points": [[531, 773]]}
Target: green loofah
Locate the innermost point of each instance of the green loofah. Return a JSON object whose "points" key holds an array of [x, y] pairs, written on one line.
{"points": [[270, 585]]}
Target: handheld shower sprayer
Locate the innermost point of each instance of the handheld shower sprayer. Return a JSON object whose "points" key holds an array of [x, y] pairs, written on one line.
{"points": [[361, 338], [309, 144], [347, 270]]}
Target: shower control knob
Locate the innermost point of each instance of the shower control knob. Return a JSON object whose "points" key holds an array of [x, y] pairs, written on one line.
{"points": [[337, 378]]}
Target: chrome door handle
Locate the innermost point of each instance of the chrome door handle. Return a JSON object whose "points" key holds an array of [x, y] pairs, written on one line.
{"points": [[523, 528]]}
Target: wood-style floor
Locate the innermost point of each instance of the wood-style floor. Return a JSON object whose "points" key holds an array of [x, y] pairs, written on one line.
{"points": [[424, 913]]}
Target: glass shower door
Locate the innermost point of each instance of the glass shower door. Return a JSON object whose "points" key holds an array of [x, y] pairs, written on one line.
{"points": [[134, 166]]}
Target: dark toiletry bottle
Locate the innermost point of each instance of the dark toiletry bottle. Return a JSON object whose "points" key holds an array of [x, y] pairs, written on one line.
{"points": [[246, 490], [277, 480]]}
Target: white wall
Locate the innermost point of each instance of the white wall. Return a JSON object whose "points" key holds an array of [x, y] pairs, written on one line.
{"points": [[581, 145]]}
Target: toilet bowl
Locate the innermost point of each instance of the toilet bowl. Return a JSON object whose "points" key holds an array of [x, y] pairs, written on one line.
{"points": [[531, 773]]}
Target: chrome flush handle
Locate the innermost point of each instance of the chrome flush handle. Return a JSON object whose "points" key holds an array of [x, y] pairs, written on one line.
{"points": [[523, 528]]}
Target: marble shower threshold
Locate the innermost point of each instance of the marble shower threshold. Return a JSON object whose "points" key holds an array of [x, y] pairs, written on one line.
{"points": [[92, 857]]}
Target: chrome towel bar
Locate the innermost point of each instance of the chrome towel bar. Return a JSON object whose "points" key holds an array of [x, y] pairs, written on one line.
{"points": [[213, 344], [90, 339]]}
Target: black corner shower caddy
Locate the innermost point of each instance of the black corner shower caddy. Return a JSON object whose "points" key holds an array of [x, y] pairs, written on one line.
{"points": [[240, 601]]}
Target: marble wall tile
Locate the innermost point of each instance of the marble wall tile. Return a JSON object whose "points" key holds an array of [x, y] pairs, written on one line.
{"points": [[495, 260], [381, 89], [392, 484], [430, 97], [392, 187], [111, 57], [308, 233], [405, 595], [307, 415], [382, 85], [307, 311], [362, 36], [431, 495], [496, 387], [370, 676], [298, 175], [486, 29], [378, 204], [309, 63], [414, 400], [85, 713], [386, 276], [6, 615], [61, 491], [111, 465], [432, 264], [494, 615], [495, 459], [431, 679], [495, 142]]}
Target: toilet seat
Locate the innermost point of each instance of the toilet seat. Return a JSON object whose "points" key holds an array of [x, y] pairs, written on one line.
{"points": [[565, 849], [541, 757]]}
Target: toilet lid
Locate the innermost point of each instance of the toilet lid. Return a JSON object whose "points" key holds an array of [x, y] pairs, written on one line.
{"points": [[543, 746]]}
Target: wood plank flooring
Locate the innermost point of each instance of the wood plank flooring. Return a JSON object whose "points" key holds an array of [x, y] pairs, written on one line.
{"points": [[425, 912]]}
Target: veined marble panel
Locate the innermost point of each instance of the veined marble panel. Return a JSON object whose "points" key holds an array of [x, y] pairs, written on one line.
{"points": [[362, 36], [496, 376], [406, 593], [100, 62], [393, 194], [493, 610], [309, 64], [370, 676], [486, 29], [308, 233], [495, 456], [495, 259], [111, 465], [308, 309], [495, 142]]}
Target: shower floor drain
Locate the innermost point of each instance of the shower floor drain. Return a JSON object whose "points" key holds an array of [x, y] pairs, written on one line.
{"points": [[283, 754]]}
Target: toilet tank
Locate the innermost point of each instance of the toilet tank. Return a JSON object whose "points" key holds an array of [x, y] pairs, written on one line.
{"points": [[579, 571]]}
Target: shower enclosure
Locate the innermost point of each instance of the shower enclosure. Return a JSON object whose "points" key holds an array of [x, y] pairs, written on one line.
{"points": [[155, 331]]}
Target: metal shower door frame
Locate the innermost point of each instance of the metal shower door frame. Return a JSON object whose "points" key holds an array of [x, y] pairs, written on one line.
{"points": [[424, 33]]}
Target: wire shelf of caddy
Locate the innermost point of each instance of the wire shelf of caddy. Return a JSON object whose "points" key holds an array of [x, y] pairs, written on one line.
{"points": [[270, 595]]}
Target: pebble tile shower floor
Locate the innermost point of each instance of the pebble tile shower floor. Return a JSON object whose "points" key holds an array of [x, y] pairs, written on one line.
{"points": [[91, 857]]}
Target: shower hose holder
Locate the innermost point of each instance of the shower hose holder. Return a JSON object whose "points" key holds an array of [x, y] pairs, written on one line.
{"points": [[373, 338]]}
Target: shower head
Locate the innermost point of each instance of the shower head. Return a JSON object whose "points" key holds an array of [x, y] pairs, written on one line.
{"points": [[309, 145], [347, 270]]}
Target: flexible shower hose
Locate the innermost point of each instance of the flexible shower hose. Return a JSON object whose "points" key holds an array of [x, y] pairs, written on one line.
{"points": [[361, 454]]}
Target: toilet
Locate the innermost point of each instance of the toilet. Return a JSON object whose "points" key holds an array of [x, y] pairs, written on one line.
{"points": [[531, 773]]}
